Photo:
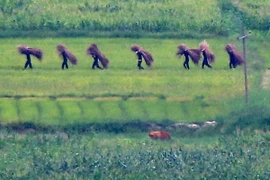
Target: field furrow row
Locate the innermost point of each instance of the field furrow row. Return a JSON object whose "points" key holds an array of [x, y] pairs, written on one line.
{"points": [[46, 111]]}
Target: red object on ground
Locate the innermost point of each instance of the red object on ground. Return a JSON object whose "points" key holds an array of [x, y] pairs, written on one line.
{"points": [[159, 135]]}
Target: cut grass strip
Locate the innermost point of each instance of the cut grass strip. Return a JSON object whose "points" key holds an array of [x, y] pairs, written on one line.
{"points": [[70, 111], [8, 111], [133, 110], [28, 110], [90, 111], [50, 114], [111, 111]]}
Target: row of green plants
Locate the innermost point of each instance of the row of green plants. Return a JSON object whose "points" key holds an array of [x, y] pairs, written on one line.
{"points": [[105, 156], [116, 115], [214, 17], [111, 110]]}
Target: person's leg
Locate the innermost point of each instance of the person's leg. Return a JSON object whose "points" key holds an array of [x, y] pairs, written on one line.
{"points": [[27, 63], [63, 65], [184, 64], [140, 64], [208, 65], [203, 63], [187, 65], [94, 64], [30, 65], [66, 65], [232, 65], [97, 65]]}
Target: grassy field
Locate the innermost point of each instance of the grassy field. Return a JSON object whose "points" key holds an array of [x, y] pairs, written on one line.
{"points": [[92, 124], [82, 123], [164, 92], [32, 155], [131, 18]]}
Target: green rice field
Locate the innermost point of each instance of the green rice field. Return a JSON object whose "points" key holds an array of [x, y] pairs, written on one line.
{"points": [[81, 123], [166, 91]]}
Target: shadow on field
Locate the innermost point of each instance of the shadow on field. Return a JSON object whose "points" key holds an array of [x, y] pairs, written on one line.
{"points": [[182, 129], [250, 118]]}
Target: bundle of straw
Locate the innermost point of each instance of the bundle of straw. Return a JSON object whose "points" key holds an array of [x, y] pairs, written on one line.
{"points": [[33, 51], [237, 57], [230, 48], [62, 49], [93, 50], [194, 54], [204, 46], [147, 56]]}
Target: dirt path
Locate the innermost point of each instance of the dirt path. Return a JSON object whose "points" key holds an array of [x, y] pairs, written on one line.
{"points": [[266, 80]]}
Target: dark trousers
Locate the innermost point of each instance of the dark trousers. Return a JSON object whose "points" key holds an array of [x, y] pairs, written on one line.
{"points": [[205, 63], [140, 64], [95, 64], [186, 65], [65, 65], [28, 63], [232, 65]]}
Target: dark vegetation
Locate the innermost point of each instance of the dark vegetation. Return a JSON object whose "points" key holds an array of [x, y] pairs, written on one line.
{"points": [[57, 156], [131, 18]]}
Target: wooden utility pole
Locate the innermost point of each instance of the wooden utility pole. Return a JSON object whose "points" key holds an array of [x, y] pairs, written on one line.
{"points": [[243, 38]]}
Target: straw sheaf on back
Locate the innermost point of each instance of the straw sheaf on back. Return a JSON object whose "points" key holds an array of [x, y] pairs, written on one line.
{"points": [[231, 49], [104, 61], [62, 49], [135, 48], [147, 56], [194, 54], [93, 50], [33, 51], [181, 49], [205, 46]]}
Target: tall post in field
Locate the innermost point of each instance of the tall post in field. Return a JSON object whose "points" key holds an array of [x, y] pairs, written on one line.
{"points": [[243, 38]]}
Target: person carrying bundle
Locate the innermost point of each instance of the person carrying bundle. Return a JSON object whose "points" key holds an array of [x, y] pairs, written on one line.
{"points": [[93, 51], [142, 54], [66, 55], [235, 58], [28, 52], [208, 56], [194, 54]]}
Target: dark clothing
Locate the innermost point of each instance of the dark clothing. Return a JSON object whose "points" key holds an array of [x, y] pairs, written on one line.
{"points": [[186, 65], [205, 60], [28, 62], [140, 64], [95, 63], [140, 56], [232, 63], [65, 61]]}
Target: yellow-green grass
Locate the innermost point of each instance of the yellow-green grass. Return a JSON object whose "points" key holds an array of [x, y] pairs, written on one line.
{"points": [[167, 76], [66, 112]]}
